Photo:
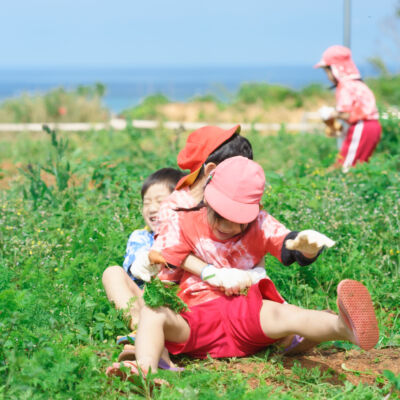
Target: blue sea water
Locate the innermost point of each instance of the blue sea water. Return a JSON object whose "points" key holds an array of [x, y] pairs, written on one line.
{"points": [[126, 87]]}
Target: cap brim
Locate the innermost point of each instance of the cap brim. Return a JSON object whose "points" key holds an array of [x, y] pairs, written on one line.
{"points": [[320, 64], [240, 213], [188, 180]]}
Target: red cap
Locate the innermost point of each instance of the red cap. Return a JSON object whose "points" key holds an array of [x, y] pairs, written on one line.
{"points": [[199, 145], [235, 189]]}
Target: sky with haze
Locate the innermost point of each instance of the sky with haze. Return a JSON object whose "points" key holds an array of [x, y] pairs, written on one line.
{"points": [[129, 33]]}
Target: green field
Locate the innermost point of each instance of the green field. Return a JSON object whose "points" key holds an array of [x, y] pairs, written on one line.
{"points": [[62, 227]]}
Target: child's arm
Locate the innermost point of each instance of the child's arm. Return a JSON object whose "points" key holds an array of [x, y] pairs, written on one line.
{"points": [[229, 280], [290, 247], [193, 265]]}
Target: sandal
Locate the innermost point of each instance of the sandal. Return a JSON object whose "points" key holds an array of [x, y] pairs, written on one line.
{"points": [[128, 339], [357, 311]]}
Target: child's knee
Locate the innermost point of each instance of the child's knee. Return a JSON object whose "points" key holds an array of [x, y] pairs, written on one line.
{"points": [[110, 273], [157, 315], [272, 319]]}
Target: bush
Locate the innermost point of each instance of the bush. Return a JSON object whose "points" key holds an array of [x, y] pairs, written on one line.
{"points": [[147, 109], [58, 105], [314, 90], [206, 98], [251, 93], [386, 89], [390, 141]]}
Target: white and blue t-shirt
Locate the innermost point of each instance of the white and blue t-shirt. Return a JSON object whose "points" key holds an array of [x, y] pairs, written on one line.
{"points": [[139, 241]]}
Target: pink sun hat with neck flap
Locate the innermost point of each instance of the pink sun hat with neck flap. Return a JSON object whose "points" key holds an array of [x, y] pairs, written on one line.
{"points": [[339, 59], [235, 189]]}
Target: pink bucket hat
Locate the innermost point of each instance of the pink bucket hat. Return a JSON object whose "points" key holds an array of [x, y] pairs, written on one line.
{"points": [[339, 59], [235, 189]]}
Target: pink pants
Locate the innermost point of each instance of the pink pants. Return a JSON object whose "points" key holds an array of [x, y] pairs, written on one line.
{"points": [[360, 142]]}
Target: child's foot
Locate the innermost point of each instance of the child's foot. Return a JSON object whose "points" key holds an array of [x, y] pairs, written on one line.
{"points": [[295, 344], [357, 312], [115, 370], [128, 354]]}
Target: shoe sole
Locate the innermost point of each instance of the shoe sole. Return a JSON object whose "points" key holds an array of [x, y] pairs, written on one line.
{"points": [[356, 309]]}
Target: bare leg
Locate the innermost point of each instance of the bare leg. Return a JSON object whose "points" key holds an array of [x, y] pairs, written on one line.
{"points": [[121, 290], [156, 326], [280, 320]]}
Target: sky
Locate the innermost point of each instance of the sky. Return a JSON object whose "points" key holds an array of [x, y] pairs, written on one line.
{"points": [[129, 33]]}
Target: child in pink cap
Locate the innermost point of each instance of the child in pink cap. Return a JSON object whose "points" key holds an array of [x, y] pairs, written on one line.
{"points": [[228, 229], [355, 104]]}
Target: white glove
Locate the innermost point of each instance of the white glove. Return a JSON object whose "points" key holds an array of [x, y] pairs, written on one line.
{"points": [[309, 242], [227, 278], [236, 279], [257, 274], [141, 267], [326, 112]]}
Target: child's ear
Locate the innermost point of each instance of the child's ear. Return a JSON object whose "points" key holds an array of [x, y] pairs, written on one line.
{"points": [[208, 168]]}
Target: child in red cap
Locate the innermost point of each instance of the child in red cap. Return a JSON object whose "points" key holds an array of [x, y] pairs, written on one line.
{"points": [[229, 230], [355, 104], [204, 149]]}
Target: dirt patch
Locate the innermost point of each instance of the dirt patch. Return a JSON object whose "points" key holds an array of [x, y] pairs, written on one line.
{"points": [[335, 366], [213, 113], [9, 172]]}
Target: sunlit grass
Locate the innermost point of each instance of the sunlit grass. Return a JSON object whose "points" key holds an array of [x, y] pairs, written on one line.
{"points": [[57, 329]]}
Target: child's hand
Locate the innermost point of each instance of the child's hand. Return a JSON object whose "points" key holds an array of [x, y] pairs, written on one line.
{"points": [[327, 113], [142, 268], [309, 243], [231, 280], [235, 281]]}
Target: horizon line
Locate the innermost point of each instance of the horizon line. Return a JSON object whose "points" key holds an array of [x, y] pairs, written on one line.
{"points": [[157, 67]]}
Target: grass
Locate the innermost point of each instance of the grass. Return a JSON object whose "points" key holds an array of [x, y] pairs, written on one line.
{"points": [[57, 329]]}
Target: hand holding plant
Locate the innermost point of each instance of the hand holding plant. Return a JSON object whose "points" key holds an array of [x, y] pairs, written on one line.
{"points": [[230, 280]]}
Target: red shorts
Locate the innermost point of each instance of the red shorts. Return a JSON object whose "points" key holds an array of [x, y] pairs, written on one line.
{"points": [[228, 326], [360, 142]]}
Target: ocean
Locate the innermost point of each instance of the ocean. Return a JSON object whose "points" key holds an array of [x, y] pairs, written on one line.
{"points": [[126, 87]]}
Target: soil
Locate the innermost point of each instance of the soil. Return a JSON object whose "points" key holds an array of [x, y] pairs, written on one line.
{"points": [[212, 113], [338, 365], [9, 172]]}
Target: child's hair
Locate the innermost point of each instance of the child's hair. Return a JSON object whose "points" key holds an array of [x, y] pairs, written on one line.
{"points": [[167, 176], [236, 145]]}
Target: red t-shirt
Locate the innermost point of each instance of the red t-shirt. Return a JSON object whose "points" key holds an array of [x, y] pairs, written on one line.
{"points": [[167, 233], [264, 235]]}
